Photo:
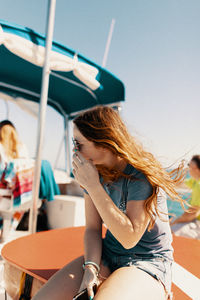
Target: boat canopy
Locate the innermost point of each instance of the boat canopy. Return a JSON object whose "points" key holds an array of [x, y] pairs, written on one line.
{"points": [[75, 84]]}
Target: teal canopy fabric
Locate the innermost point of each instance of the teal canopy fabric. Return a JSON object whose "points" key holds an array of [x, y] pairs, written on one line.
{"points": [[81, 85]]}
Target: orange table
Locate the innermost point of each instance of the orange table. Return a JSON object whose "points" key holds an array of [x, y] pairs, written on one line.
{"points": [[42, 254]]}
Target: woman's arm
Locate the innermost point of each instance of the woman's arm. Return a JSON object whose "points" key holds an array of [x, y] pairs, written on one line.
{"points": [[92, 244], [127, 228], [188, 216], [93, 232]]}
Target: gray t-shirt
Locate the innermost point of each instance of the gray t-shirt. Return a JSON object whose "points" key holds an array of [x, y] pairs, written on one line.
{"points": [[157, 241]]}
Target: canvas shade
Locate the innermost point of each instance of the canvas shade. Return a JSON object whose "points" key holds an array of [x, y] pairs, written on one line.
{"points": [[75, 84]]}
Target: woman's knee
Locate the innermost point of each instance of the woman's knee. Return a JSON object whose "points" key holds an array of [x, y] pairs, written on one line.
{"points": [[64, 284], [130, 284]]}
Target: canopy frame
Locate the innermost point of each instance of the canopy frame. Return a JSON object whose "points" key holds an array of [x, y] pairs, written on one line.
{"points": [[42, 115]]}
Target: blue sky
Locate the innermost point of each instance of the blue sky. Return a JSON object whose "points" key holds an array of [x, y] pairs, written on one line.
{"points": [[155, 51]]}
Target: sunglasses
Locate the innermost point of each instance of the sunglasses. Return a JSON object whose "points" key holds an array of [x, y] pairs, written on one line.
{"points": [[77, 146]]}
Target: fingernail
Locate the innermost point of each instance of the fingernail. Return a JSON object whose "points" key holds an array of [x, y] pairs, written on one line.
{"points": [[90, 298]]}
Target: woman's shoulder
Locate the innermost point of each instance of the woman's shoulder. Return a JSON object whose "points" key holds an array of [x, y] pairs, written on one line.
{"points": [[139, 188], [1, 146], [23, 151], [134, 173], [3, 157]]}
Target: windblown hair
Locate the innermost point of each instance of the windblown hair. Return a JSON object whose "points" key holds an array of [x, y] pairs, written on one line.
{"points": [[105, 128], [9, 139]]}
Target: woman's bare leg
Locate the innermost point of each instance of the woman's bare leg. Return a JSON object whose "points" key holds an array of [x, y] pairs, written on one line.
{"points": [[130, 283], [64, 284]]}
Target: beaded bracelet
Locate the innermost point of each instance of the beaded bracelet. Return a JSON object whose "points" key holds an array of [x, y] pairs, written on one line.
{"points": [[87, 263]]}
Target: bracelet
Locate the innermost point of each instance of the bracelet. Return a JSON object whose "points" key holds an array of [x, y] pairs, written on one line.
{"points": [[91, 268], [86, 263]]}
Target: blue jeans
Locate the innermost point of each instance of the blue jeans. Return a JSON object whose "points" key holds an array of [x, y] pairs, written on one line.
{"points": [[157, 266]]}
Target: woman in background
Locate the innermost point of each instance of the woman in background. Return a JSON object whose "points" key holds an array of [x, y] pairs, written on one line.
{"points": [[124, 189], [10, 145], [188, 224]]}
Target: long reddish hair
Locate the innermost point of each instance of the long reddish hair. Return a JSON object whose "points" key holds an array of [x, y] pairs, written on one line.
{"points": [[104, 127]]}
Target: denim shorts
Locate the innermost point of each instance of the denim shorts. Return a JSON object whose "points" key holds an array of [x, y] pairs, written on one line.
{"points": [[157, 266]]}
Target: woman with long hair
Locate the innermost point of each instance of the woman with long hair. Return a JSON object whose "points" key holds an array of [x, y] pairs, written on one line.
{"points": [[124, 188], [10, 145]]}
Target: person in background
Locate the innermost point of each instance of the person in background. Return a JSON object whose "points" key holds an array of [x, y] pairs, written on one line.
{"points": [[194, 184], [10, 145], [124, 189], [12, 148]]}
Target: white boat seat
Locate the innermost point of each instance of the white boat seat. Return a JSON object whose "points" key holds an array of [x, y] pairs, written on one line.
{"points": [[7, 210]]}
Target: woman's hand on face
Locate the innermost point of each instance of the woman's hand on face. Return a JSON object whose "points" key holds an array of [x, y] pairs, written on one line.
{"points": [[84, 171]]}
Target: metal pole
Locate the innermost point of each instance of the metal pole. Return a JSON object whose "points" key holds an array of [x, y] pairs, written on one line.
{"points": [[42, 114], [67, 146], [108, 43], [7, 109], [59, 151]]}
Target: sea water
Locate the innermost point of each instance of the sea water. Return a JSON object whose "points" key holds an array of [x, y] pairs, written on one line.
{"points": [[175, 207]]}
